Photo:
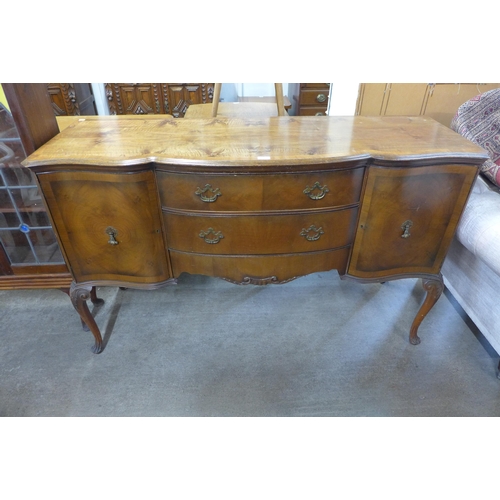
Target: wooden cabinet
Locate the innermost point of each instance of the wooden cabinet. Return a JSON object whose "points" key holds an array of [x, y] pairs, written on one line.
{"points": [[156, 98], [140, 201], [313, 99], [439, 101], [72, 99]]}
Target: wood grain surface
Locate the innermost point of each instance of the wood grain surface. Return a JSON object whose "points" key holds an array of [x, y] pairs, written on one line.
{"points": [[118, 140]]}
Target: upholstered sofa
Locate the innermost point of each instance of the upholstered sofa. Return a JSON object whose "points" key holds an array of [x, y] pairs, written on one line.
{"points": [[472, 269]]}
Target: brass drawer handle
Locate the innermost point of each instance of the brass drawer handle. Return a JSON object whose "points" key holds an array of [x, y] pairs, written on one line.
{"points": [[316, 196], [112, 233], [210, 236], [215, 193], [316, 233], [406, 228], [321, 98]]}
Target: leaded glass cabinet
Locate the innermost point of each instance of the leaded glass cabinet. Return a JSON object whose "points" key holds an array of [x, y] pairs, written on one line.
{"points": [[30, 256]]}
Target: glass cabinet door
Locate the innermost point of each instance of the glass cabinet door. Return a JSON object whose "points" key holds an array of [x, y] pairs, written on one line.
{"points": [[26, 236]]}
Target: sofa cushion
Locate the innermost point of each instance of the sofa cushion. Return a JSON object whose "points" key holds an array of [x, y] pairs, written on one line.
{"points": [[479, 121], [479, 228]]}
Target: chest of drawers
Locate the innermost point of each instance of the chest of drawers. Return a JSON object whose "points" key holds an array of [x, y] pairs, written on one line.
{"points": [[313, 99], [216, 218], [254, 201]]}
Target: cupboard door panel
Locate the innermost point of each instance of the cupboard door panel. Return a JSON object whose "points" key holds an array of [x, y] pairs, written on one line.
{"points": [[72, 99], [405, 99], [439, 101], [179, 96], [408, 218], [371, 98], [109, 225], [134, 98]]}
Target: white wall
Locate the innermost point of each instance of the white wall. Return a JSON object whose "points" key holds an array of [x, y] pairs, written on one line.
{"points": [[100, 98], [231, 91], [343, 97]]}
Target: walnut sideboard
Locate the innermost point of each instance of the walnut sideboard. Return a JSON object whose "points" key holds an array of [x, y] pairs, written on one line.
{"points": [[136, 202]]}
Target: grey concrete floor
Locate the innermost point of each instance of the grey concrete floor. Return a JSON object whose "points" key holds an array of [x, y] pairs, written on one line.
{"points": [[317, 346]]}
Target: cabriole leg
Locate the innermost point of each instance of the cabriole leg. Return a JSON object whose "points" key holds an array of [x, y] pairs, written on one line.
{"points": [[434, 288], [79, 295], [93, 298]]}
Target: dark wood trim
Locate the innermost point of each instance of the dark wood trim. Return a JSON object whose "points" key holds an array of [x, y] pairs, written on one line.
{"points": [[31, 108], [36, 269], [39, 281], [5, 268]]}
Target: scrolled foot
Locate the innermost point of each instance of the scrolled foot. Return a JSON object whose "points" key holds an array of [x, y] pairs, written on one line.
{"points": [[415, 340], [97, 348]]}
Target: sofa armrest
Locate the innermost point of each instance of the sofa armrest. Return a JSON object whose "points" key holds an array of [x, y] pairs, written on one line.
{"points": [[479, 228]]}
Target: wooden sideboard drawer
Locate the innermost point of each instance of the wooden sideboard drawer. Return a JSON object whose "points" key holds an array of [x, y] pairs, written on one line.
{"points": [[241, 193], [315, 85], [316, 97], [312, 99], [260, 234], [260, 269], [313, 110]]}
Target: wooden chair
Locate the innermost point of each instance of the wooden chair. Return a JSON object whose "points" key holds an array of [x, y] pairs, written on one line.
{"points": [[278, 90], [238, 109]]}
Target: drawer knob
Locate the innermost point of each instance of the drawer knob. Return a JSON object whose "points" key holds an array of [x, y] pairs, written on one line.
{"points": [[316, 195], [211, 237], [406, 228], [321, 98], [111, 232], [313, 233], [213, 194]]}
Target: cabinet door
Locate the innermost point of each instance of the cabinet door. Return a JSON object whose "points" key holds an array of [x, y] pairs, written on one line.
{"points": [[72, 99], [134, 98], [371, 97], [390, 99], [408, 218], [179, 96], [156, 98], [109, 225], [438, 101]]}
